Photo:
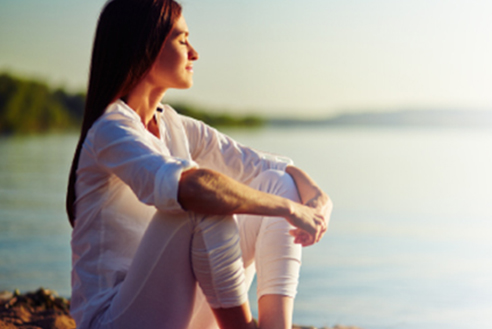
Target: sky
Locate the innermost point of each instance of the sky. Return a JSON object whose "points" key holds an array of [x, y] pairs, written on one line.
{"points": [[310, 58]]}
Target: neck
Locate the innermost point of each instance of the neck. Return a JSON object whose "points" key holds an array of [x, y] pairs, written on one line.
{"points": [[144, 100]]}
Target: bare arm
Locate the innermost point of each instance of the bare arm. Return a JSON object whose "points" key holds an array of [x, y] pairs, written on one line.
{"points": [[209, 192]]}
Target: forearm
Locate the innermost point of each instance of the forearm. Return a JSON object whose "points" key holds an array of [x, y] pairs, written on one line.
{"points": [[212, 193]]}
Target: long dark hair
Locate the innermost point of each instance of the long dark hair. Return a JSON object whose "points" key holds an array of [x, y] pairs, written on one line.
{"points": [[128, 39]]}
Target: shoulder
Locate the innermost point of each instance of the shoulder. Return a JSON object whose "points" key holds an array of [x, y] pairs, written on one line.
{"points": [[117, 121], [170, 113], [118, 112], [172, 116]]}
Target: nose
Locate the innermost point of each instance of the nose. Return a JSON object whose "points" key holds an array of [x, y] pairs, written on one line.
{"points": [[193, 54]]}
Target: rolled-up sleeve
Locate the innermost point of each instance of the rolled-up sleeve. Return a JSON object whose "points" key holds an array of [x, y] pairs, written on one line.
{"points": [[212, 149], [122, 149]]}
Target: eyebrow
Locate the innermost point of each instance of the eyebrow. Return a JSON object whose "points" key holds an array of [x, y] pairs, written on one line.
{"points": [[179, 33]]}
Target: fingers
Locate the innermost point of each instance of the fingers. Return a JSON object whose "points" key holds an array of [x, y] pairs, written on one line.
{"points": [[313, 203], [311, 224], [304, 238], [322, 203], [301, 237], [324, 207], [320, 228]]}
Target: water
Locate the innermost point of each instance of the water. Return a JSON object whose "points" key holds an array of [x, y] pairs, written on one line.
{"points": [[34, 231], [409, 241]]}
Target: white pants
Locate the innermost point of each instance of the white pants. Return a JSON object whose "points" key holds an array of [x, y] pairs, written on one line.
{"points": [[160, 289]]}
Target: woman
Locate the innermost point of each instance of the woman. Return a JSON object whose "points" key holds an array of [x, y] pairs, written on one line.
{"points": [[152, 195]]}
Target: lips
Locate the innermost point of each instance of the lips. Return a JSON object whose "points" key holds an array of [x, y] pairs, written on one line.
{"points": [[189, 68]]}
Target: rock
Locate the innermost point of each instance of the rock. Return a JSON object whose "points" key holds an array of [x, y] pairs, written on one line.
{"points": [[5, 296], [42, 309], [7, 325], [54, 321]]}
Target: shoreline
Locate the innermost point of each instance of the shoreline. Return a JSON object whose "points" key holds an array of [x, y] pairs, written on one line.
{"points": [[44, 309]]}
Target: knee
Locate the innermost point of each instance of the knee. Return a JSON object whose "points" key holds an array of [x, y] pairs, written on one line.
{"points": [[276, 182], [272, 175], [215, 229]]}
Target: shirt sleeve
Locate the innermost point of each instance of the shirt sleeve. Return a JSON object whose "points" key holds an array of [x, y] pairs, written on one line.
{"points": [[122, 148], [215, 150]]}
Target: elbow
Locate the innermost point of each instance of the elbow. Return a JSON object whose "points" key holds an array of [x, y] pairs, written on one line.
{"points": [[191, 186]]}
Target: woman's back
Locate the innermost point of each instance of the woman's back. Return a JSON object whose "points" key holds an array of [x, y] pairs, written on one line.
{"points": [[110, 217]]}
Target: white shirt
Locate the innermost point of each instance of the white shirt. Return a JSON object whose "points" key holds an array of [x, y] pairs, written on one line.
{"points": [[125, 173]]}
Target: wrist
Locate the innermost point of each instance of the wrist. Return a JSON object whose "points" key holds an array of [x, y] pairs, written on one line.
{"points": [[288, 208]]}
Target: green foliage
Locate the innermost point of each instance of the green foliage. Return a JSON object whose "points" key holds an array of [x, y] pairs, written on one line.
{"points": [[28, 107], [218, 120], [31, 107]]}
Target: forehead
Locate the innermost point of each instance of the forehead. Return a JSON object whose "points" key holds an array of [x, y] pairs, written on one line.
{"points": [[180, 27]]}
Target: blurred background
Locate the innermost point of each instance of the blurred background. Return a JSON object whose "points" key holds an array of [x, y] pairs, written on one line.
{"points": [[387, 104]]}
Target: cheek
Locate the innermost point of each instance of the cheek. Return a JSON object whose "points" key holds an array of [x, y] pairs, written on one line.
{"points": [[172, 62], [163, 64]]}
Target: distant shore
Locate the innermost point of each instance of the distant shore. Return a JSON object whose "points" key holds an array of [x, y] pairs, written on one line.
{"points": [[31, 106], [43, 309]]}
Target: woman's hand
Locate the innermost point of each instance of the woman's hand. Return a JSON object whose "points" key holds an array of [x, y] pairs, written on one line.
{"points": [[309, 222]]}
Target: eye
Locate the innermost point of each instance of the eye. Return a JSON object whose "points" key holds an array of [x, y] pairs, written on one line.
{"points": [[183, 42]]}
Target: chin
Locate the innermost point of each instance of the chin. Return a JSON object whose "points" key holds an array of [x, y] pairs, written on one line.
{"points": [[185, 85]]}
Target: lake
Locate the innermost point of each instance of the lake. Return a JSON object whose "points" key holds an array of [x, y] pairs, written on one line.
{"points": [[409, 243]]}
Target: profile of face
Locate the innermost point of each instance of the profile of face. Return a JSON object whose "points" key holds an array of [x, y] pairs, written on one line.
{"points": [[173, 67]]}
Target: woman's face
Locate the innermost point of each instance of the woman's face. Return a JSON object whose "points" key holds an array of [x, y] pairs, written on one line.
{"points": [[173, 67]]}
